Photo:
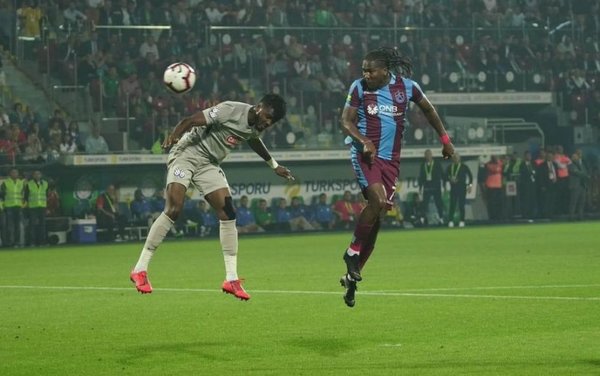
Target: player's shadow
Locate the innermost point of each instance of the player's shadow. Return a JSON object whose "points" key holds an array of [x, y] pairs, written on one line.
{"points": [[328, 347], [199, 349]]}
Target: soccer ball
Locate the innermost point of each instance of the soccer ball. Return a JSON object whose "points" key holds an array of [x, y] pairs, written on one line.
{"points": [[179, 77]]}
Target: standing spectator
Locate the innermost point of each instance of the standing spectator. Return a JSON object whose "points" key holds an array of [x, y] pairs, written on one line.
{"points": [[430, 185], [546, 175], [461, 181], [108, 216], [141, 209], [578, 179], [323, 214], [526, 187], [562, 163], [36, 196], [34, 150], [149, 47], [493, 188], [11, 192], [30, 15], [52, 200], [95, 143]]}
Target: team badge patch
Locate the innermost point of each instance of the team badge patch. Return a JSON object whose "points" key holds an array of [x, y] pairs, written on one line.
{"points": [[400, 97], [372, 109]]}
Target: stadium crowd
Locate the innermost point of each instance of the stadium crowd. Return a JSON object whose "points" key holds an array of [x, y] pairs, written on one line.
{"points": [[556, 41]]}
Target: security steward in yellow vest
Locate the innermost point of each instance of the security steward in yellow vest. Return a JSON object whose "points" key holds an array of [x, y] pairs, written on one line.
{"points": [[36, 193], [11, 192]]}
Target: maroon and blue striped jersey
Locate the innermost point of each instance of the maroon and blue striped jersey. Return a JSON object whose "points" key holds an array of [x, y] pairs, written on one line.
{"points": [[382, 113]]}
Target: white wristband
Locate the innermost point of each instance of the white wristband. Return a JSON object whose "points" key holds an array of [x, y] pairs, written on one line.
{"points": [[272, 163]]}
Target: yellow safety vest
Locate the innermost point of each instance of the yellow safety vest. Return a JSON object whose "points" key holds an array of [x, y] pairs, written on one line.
{"points": [[14, 193], [37, 194]]}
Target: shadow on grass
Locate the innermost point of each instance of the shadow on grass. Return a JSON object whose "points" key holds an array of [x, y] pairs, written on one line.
{"points": [[201, 350]]}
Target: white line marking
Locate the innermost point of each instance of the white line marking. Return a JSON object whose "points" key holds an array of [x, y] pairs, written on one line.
{"points": [[531, 287], [301, 292]]}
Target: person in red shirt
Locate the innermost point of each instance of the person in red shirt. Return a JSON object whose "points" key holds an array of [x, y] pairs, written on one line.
{"points": [[493, 187]]}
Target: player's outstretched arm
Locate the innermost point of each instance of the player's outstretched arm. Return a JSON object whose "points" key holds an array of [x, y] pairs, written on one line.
{"points": [[435, 121], [349, 121], [195, 120], [259, 148]]}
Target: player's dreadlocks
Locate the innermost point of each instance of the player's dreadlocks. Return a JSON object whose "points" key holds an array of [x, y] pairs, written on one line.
{"points": [[277, 103], [392, 59]]}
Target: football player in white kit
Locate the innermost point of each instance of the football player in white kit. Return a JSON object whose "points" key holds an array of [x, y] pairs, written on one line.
{"points": [[199, 144]]}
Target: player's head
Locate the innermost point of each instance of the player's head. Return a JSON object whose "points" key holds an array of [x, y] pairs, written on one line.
{"points": [[378, 64], [269, 110]]}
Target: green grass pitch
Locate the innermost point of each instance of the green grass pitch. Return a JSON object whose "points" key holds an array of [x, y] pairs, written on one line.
{"points": [[509, 300]]}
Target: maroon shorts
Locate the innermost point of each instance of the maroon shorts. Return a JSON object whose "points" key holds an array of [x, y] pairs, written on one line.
{"points": [[381, 171]]}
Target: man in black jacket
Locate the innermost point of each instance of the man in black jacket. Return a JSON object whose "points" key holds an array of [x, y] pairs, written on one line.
{"points": [[430, 185], [526, 186], [461, 181]]}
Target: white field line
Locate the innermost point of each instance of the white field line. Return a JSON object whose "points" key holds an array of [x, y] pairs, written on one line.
{"points": [[301, 292]]}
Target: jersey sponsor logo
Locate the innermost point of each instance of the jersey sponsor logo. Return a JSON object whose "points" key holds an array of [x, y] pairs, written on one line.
{"points": [[213, 112], [232, 140], [386, 109], [179, 173]]}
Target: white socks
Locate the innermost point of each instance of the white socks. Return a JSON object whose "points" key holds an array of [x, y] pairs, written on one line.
{"points": [[156, 235], [229, 243]]}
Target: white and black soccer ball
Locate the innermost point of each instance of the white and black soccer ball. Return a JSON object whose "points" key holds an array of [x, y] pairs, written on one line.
{"points": [[179, 77]]}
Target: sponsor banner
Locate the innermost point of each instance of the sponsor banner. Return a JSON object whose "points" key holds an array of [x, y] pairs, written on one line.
{"points": [[460, 99], [295, 155]]}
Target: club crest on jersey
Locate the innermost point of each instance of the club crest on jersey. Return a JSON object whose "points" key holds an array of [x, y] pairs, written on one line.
{"points": [[213, 112], [232, 140], [400, 97], [179, 173]]}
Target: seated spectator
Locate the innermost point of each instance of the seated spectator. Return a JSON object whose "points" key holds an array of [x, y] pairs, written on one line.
{"points": [[299, 216], [73, 131], [95, 143], [209, 220], [141, 209], [67, 145], [345, 211], [282, 216], [245, 221], [8, 149], [34, 151], [108, 216], [264, 217], [323, 214]]}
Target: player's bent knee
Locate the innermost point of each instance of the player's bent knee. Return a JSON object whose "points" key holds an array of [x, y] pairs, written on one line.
{"points": [[173, 213], [228, 209]]}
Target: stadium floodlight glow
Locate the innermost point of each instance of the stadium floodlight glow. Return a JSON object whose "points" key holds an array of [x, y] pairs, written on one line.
{"points": [[403, 38], [482, 76], [510, 76], [425, 80], [453, 77], [418, 134]]}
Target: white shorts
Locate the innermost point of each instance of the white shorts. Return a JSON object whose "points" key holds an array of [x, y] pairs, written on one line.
{"points": [[185, 169]]}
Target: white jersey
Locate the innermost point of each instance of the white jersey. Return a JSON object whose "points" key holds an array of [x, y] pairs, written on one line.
{"points": [[227, 126]]}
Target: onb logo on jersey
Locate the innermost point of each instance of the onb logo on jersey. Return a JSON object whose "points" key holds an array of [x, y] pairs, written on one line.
{"points": [[373, 109], [213, 112]]}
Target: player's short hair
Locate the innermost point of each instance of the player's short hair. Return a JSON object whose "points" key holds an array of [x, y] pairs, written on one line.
{"points": [[392, 59], [277, 103]]}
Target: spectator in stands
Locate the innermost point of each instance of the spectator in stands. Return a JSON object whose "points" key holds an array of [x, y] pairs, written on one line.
{"points": [[300, 215], [12, 196], [74, 16], [95, 143], [17, 116], [36, 196], [8, 149], [149, 47], [263, 216], [73, 131], [30, 16], [34, 151], [244, 217], [4, 118], [108, 215], [323, 216], [282, 215]]}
